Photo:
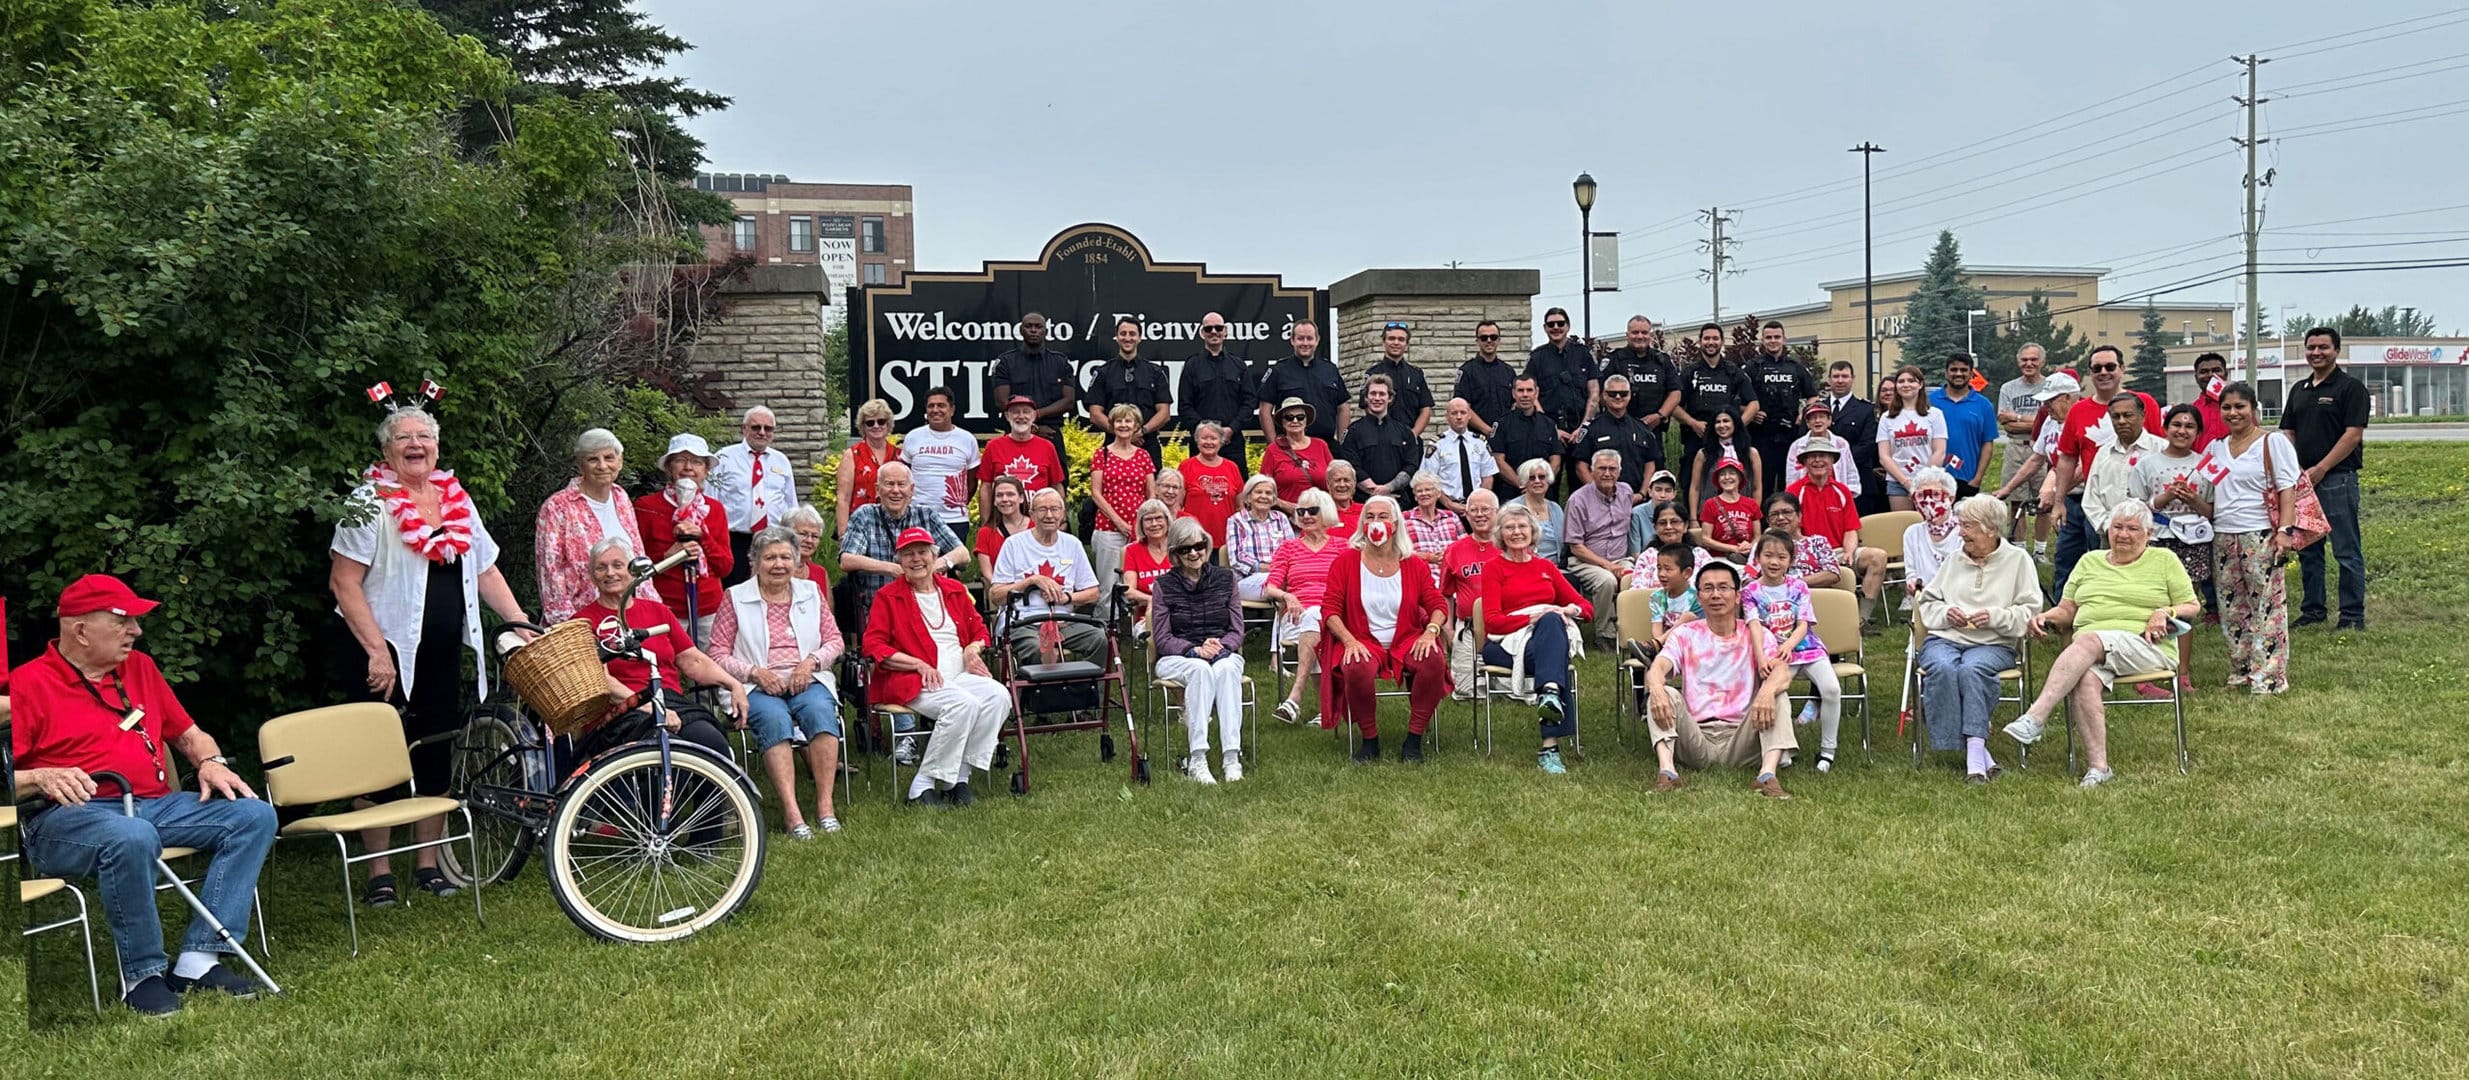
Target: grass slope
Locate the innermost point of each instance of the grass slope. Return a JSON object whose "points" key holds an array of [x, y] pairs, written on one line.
{"points": [[2292, 908]]}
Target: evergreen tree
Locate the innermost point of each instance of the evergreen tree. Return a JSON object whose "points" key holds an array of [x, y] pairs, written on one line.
{"points": [[2149, 370], [575, 49], [2358, 321], [1933, 325], [2031, 325]]}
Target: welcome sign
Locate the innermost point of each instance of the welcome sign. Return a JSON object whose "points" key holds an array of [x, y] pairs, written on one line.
{"points": [[946, 329]]}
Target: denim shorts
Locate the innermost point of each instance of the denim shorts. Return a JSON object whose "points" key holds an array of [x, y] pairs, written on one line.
{"points": [[812, 710]]}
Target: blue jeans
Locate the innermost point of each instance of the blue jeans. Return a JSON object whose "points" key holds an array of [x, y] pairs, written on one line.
{"points": [[2074, 538], [1959, 689], [1547, 663], [2339, 495], [813, 710], [98, 841]]}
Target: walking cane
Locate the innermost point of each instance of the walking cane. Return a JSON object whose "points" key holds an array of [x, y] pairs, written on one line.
{"points": [[128, 805]]}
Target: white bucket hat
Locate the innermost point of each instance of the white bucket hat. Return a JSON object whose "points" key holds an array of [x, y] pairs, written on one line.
{"points": [[687, 444]]}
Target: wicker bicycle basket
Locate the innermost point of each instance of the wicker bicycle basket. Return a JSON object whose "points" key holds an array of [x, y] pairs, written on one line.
{"points": [[559, 677]]}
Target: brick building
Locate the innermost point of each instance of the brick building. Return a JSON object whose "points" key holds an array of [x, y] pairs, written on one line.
{"points": [[861, 234]]}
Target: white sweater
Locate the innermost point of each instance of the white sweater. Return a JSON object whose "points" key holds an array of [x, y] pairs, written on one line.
{"points": [[2006, 585]]}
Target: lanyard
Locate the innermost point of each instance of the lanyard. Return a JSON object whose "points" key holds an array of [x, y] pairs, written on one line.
{"points": [[132, 717]]}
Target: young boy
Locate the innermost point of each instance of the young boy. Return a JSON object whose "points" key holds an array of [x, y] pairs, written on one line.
{"points": [[1663, 487]]}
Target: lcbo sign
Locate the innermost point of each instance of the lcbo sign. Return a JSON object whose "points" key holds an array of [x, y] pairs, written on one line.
{"points": [[947, 329]]}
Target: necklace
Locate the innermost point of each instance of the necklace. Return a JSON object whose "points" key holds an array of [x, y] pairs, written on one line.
{"points": [[936, 593]]}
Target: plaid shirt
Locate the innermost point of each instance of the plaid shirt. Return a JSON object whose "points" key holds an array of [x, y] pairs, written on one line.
{"points": [[1434, 536], [1251, 544], [872, 532]]}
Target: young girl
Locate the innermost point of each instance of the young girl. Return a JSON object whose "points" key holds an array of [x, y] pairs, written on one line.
{"points": [[2179, 490], [1729, 520], [1723, 442], [1909, 436], [1781, 603]]}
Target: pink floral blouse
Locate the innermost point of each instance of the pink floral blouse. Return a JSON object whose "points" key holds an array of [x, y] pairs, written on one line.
{"points": [[563, 535]]}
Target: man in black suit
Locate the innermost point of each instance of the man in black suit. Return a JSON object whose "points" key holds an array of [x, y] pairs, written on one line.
{"points": [[1856, 422]]}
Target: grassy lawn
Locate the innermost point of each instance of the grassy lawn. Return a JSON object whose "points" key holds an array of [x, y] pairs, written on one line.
{"points": [[2292, 908]]}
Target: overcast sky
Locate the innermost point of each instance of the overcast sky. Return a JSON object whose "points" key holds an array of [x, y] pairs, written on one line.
{"points": [[1316, 140]]}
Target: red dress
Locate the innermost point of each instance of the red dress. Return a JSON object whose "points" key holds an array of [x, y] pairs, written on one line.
{"points": [[1296, 471], [866, 465], [1124, 481]]}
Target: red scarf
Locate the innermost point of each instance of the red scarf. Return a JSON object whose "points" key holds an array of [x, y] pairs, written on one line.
{"points": [[689, 514], [448, 540]]}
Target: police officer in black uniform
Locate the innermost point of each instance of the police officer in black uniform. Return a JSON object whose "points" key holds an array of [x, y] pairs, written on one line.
{"points": [[1614, 429], [1525, 433], [1782, 384], [1564, 369], [1217, 384], [1485, 380], [1709, 385], [1410, 397], [1309, 376], [1654, 381], [1127, 379]]}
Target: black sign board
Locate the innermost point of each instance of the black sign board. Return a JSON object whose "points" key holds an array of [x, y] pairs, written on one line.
{"points": [[946, 329]]}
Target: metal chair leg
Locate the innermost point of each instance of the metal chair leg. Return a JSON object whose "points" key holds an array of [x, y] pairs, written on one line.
{"points": [[351, 911]]}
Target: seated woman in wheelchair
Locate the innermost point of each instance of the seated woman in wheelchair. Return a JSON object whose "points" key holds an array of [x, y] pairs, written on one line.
{"points": [[630, 715]]}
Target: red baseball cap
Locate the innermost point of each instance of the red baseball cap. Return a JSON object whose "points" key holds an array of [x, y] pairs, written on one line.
{"points": [[1020, 399], [913, 536], [102, 592]]}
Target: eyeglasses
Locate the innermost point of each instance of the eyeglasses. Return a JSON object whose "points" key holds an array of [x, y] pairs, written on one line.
{"points": [[878, 422], [1555, 324], [762, 427], [1716, 586], [413, 436], [2104, 367], [1487, 337]]}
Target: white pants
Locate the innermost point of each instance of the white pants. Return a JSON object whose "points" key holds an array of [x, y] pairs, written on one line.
{"points": [[1209, 687], [1248, 588], [1821, 676], [968, 714], [1106, 559]]}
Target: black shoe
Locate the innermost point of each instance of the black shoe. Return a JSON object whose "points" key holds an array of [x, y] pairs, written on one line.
{"points": [[959, 795], [2306, 620], [928, 797], [217, 977], [2346, 624], [152, 996], [1411, 752], [1368, 753]]}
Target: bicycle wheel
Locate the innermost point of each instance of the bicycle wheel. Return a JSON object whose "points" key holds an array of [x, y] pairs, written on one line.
{"points": [[493, 761], [622, 878]]}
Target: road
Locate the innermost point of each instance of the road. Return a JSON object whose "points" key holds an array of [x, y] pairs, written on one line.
{"points": [[2417, 433]]}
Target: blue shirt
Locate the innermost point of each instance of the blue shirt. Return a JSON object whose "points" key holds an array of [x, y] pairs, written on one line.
{"points": [[1971, 425]]}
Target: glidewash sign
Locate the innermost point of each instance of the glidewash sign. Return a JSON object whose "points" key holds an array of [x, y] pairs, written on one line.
{"points": [[946, 329]]}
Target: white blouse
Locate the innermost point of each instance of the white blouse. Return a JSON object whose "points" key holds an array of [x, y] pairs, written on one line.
{"points": [[1382, 596], [397, 585], [2238, 481]]}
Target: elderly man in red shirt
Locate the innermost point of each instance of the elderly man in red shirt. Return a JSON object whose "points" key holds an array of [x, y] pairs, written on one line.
{"points": [[92, 703]]}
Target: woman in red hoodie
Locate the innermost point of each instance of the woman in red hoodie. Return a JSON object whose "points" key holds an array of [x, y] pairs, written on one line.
{"points": [[1524, 593], [1385, 620], [929, 652]]}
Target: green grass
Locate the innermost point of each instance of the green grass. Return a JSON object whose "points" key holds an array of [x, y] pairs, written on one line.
{"points": [[2291, 908]]}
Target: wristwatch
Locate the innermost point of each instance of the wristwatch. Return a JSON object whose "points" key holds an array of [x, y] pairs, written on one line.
{"points": [[218, 759]]}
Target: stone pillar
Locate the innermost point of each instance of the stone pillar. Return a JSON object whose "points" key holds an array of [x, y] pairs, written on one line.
{"points": [[1441, 306], [768, 350]]}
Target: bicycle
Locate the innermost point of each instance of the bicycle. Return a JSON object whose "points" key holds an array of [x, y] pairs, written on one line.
{"points": [[650, 840]]}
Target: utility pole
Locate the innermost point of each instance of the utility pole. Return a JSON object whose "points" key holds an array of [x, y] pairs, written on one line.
{"points": [[1868, 265], [1716, 250], [2254, 219]]}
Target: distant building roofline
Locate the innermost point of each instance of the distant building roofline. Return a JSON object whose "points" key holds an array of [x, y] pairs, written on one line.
{"points": [[2094, 272]]}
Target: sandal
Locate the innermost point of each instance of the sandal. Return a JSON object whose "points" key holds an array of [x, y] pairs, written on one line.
{"points": [[380, 891], [433, 882]]}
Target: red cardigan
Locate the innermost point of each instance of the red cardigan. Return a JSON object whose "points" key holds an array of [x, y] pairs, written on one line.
{"points": [[896, 624], [657, 517], [1509, 587], [1418, 599]]}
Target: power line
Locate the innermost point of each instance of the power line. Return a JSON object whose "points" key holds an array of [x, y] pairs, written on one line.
{"points": [[2297, 48], [2299, 90]]}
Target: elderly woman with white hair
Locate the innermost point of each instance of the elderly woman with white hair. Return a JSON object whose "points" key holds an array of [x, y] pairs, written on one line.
{"points": [[1931, 541], [1534, 614], [1254, 534], [1386, 620], [1534, 492], [2123, 606], [1978, 605], [1197, 622], [682, 516], [1212, 481], [806, 523], [1430, 523], [1296, 580], [775, 631], [411, 564], [589, 509]]}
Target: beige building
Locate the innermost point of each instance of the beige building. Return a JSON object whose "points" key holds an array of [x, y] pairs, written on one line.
{"points": [[1834, 324]]}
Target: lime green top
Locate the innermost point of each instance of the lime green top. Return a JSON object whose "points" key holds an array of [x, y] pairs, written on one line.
{"points": [[2112, 597]]}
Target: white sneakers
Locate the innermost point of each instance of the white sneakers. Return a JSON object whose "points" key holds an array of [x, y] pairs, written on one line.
{"points": [[2026, 729], [1198, 767], [1234, 766], [2093, 778]]}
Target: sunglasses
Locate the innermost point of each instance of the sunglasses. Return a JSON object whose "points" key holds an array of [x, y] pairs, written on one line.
{"points": [[1395, 326], [2104, 367], [1191, 549], [1212, 329], [762, 427], [878, 423], [1555, 324], [1487, 337], [1615, 393], [1307, 511], [1293, 418]]}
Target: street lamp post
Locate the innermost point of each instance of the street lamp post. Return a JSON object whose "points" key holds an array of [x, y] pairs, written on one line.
{"points": [[1584, 188], [1868, 262], [1968, 350]]}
